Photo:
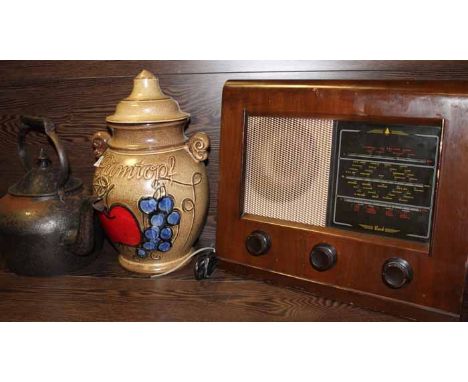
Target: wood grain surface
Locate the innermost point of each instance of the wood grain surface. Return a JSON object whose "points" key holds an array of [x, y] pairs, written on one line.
{"points": [[44, 71], [77, 96], [121, 296]]}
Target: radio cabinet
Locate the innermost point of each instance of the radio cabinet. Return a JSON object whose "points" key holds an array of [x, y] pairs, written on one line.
{"points": [[355, 190]]}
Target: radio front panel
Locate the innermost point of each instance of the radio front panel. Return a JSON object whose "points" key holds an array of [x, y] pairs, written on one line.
{"points": [[352, 189], [378, 178]]}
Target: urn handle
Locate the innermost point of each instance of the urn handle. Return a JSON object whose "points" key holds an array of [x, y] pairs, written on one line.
{"points": [[100, 145], [29, 123], [198, 145]]}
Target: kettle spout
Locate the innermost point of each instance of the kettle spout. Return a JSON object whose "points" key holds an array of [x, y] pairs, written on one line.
{"points": [[88, 231]]}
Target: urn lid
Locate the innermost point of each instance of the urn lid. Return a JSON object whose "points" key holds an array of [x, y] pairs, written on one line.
{"points": [[147, 103]]}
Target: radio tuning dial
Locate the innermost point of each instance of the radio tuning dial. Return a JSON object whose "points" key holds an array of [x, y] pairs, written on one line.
{"points": [[322, 257], [396, 272], [258, 243]]}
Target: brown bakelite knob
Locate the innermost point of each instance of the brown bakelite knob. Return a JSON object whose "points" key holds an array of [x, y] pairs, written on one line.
{"points": [[396, 272], [258, 243], [322, 257]]}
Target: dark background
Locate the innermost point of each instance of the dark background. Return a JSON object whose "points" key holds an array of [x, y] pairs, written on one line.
{"points": [[78, 95]]}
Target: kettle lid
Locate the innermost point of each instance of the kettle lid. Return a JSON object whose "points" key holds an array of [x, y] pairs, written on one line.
{"points": [[147, 103], [43, 180]]}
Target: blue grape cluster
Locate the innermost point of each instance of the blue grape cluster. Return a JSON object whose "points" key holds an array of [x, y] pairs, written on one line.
{"points": [[163, 218]]}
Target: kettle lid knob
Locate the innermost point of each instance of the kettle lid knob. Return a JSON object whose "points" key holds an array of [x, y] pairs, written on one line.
{"points": [[43, 160], [42, 179]]}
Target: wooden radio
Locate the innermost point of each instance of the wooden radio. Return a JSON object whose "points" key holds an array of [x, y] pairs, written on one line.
{"points": [[355, 190]]}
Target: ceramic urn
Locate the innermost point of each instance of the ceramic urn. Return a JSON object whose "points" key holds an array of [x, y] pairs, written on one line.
{"points": [[150, 180]]}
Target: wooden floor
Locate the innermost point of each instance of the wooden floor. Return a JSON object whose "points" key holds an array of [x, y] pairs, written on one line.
{"points": [[105, 292]]}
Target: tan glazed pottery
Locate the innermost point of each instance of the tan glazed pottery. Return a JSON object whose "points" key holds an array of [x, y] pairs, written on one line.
{"points": [[150, 180]]}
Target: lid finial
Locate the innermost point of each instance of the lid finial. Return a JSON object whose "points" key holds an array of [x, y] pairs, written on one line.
{"points": [[147, 103], [145, 88]]}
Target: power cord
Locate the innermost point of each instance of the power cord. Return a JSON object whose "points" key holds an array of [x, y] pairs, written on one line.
{"points": [[204, 266]]}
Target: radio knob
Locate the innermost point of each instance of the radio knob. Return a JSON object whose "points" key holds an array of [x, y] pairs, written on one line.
{"points": [[258, 243], [322, 257], [396, 272]]}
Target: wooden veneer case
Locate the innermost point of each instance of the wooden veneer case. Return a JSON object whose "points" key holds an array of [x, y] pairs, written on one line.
{"points": [[354, 190]]}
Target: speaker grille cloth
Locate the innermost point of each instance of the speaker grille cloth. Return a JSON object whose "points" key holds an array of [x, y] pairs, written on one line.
{"points": [[287, 168]]}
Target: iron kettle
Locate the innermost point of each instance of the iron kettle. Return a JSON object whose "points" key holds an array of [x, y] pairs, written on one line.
{"points": [[47, 222]]}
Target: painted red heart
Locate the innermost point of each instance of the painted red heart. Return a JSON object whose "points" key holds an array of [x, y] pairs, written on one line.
{"points": [[121, 226]]}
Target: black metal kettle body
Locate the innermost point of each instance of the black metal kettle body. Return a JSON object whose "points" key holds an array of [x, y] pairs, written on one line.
{"points": [[47, 222]]}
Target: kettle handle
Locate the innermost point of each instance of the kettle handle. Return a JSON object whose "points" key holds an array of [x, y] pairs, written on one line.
{"points": [[42, 124]]}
